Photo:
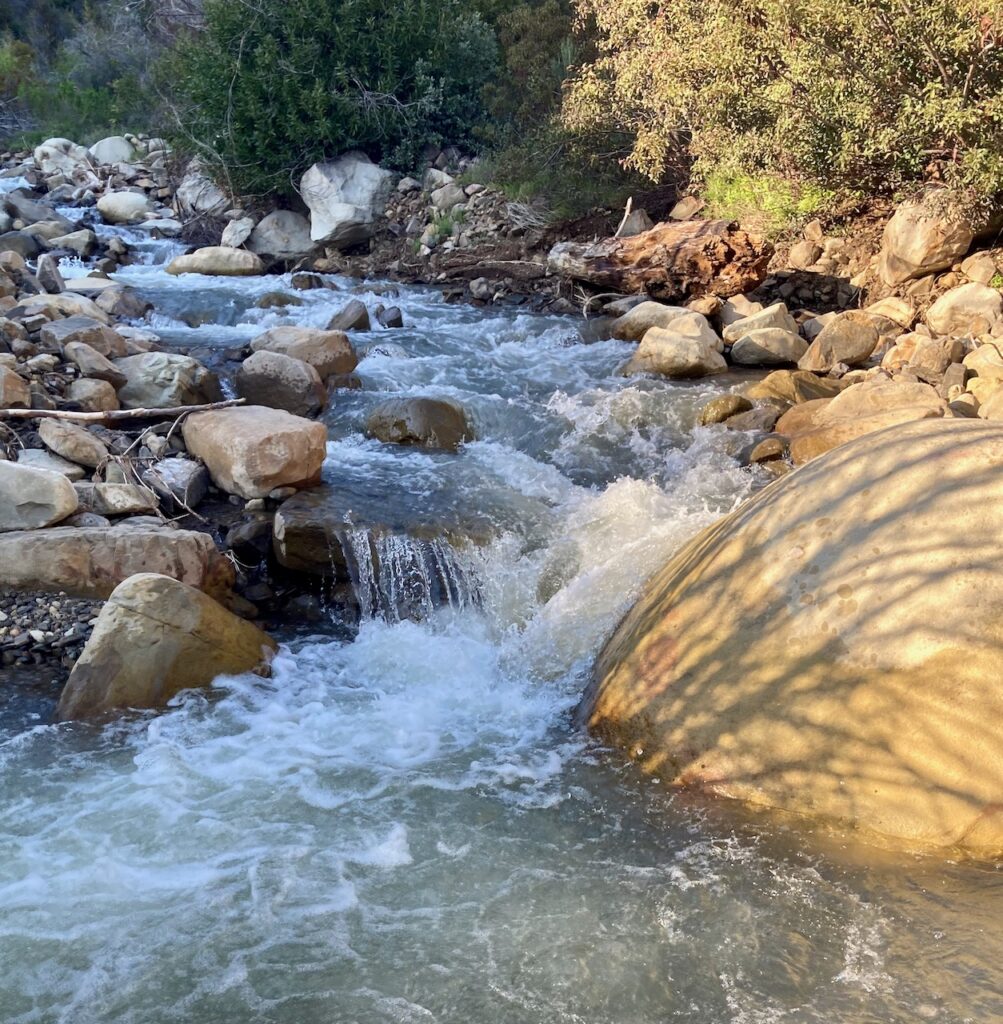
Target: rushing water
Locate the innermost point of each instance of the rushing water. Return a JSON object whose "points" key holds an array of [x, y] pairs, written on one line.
{"points": [[405, 826]]}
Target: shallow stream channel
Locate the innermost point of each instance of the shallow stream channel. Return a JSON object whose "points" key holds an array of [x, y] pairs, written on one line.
{"points": [[404, 824]]}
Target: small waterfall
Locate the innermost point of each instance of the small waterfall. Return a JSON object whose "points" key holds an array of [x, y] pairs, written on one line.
{"points": [[396, 577]]}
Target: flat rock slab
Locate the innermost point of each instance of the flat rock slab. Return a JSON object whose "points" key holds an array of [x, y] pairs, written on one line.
{"points": [[92, 561]]}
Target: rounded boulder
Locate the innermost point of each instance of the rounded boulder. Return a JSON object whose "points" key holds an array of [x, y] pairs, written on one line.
{"points": [[833, 647]]}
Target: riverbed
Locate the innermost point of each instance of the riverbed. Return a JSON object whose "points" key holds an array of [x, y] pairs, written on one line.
{"points": [[404, 824]]}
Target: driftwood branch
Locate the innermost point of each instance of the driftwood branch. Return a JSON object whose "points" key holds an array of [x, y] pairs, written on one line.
{"points": [[114, 415], [673, 261]]}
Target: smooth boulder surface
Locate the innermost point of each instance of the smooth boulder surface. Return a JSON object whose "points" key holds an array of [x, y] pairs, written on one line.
{"points": [[775, 316], [251, 450], [856, 674], [849, 338], [281, 382], [163, 380], [345, 197], [73, 443], [768, 346], [124, 207], [328, 352], [429, 422], [920, 239], [14, 390], [968, 309], [32, 498], [676, 356], [218, 261], [636, 322], [862, 409], [92, 561], [154, 638], [282, 235]]}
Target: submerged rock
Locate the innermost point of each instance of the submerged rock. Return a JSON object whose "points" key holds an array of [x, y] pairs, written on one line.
{"points": [[857, 668], [430, 422], [153, 638]]}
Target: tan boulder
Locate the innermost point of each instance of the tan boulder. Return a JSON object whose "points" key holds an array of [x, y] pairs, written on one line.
{"points": [[855, 676], [92, 395], [636, 322], [675, 356], [968, 309], [849, 338], [793, 386], [91, 363], [328, 352], [154, 638], [66, 304], [115, 499], [768, 346], [772, 316], [219, 261], [99, 336], [863, 409], [73, 442], [92, 561], [986, 362], [251, 450], [920, 239]]}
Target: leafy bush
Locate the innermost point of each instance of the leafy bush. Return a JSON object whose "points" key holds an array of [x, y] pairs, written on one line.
{"points": [[843, 93], [267, 89], [766, 203], [96, 80], [533, 156]]}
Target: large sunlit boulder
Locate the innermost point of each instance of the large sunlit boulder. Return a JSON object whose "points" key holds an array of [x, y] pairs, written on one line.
{"points": [[833, 647]]}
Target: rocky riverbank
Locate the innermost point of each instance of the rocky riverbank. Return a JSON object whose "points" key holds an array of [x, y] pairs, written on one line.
{"points": [[172, 498]]}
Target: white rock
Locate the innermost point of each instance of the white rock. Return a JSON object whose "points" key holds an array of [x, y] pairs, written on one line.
{"points": [[346, 197]]}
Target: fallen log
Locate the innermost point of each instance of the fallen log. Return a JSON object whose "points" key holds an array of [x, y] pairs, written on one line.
{"points": [[674, 261], [114, 415]]}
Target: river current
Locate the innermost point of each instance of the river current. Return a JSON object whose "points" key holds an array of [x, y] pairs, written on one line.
{"points": [[404, 824]]}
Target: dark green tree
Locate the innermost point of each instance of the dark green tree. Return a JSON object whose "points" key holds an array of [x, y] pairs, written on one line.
{"points": [[272, 86]]}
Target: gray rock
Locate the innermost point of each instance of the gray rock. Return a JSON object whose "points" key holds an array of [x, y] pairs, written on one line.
{"points": [[180, 481], [429, 422], [39, 458], [162, 380], [32, 498], [281, 382], [354, 317]]}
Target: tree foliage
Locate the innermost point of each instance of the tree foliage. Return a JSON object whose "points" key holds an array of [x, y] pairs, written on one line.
{"points": [[843, 93], [271, 86]]}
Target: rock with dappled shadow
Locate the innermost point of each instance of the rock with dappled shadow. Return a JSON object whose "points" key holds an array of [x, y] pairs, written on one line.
{"points": [[833, 648]]}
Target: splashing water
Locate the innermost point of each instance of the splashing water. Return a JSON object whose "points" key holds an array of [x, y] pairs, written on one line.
{"points": [[406, 826]]}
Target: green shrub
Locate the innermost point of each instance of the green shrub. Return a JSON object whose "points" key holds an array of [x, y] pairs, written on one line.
{"points": [[767, 203], [843, 93], [266, 91]]}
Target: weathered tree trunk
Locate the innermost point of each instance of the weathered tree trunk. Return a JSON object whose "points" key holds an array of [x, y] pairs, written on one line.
{"points": [[676, 260]]}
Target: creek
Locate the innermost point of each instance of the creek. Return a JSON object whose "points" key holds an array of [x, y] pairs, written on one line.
{"points": [[404, 824]]}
